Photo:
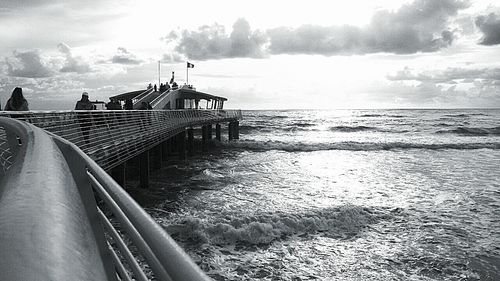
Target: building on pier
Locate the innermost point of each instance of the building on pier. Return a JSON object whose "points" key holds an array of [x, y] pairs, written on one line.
{"points": [[185, 97]]}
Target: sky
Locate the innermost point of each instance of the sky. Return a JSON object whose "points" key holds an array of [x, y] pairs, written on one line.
{"points": [[259, 54]]}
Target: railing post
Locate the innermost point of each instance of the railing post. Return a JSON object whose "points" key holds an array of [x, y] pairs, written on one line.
{"points": [[144, 170], [217, 132]]}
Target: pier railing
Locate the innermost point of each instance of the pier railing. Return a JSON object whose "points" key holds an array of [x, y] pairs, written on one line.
{"points": [[62, 217], [112, 137]]}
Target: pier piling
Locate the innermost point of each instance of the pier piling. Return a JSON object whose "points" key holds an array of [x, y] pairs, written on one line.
{"points": [[118, 174], [144, 170], [217, 132], [204, 138], [234, 130], [190, 140], [181, 145]]}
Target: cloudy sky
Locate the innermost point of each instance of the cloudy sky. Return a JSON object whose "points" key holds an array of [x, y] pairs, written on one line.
{"points": [[259, 54]]}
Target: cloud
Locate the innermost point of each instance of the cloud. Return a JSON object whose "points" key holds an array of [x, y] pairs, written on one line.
{"points": [[448, 87], [212, 42], [172, 58], [72, 64], [417, 27], [421, 26], [27, 64], [490, 27], [450, 75], [123, 56]]}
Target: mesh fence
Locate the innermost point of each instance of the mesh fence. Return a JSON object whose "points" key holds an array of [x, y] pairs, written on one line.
{"points": [[112, 137]]}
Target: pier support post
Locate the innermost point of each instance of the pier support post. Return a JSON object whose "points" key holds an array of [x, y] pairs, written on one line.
{"points": [[234, 130], [230, 130], [217, 132], [181, 145], [209, 132], [118, 174], [204, 138], [190, 141], [155, 157], [144, 170], [165, 149], [236, 127]]}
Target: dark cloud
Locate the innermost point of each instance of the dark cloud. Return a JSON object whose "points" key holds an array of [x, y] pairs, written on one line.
{"points": [[123, 56], [420, 26], [416, 27], [212, 42], [72, 64], [490, 27], [27, 64]]}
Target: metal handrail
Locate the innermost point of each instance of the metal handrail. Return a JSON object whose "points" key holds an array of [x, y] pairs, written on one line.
{"points": [[138, 99], [46, 229], [111, 137], [161, 251], [40, 152], [160, 98]]}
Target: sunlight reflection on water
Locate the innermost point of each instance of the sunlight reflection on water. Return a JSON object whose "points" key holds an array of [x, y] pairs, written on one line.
{"points": [[404, 213]]}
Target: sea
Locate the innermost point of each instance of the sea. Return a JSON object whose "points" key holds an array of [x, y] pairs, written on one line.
{"points": [[341, 195]]}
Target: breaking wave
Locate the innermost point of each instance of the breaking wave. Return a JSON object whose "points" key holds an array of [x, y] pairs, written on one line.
{"points": [[352, 146], [275, 127], [340, 222], [352, 128], [468, 131]]}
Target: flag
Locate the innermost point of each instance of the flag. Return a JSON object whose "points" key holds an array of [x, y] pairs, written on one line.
{"points": [[172, 79], [190, 65]]}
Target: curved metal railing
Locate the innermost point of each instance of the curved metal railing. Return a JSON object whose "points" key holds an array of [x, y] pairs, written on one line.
{"points": [[112, 137], [62, 217]]}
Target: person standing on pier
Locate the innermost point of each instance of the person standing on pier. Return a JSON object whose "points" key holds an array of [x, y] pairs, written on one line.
{"points": [[84, 103], [128, 105], [85, 119], [17, 102]]}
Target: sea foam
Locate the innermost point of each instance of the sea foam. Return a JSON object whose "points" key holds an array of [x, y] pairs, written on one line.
{"points": [[340, 222]]}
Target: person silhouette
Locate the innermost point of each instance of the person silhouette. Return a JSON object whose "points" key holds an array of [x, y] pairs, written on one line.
{"points": [[17, 102]]}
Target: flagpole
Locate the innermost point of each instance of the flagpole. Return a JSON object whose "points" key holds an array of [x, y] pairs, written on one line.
{"points": [[187, 74], [159, 74]]}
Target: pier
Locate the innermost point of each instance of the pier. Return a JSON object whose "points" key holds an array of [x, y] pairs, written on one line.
{"points": [[64, 214]]}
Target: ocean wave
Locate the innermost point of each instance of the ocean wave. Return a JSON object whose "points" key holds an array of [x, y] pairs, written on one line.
{"points": [[352, 128], [469, 131], [341, 222], [259, 146], [382, 115], [277, 127], [465, 115]]}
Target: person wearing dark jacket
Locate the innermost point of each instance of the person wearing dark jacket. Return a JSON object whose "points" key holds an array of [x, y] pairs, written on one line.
{"points": [[84, 103], [128, 105], [84, 118], [17, 102]]}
